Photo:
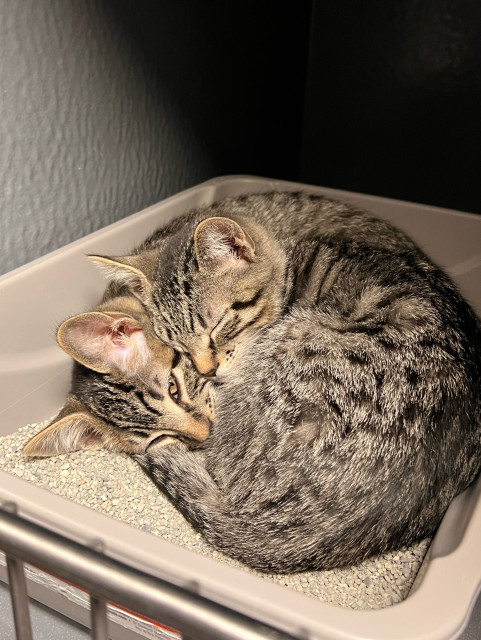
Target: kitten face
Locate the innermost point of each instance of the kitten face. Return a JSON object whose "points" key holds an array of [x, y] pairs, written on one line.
{"points": [[129, 390], [208, 291], [215, 324]]}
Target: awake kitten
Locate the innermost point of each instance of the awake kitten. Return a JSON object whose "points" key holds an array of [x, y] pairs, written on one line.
{"points": [[129, 390]]}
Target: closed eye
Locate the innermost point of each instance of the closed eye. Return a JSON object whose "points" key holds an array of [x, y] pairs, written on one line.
{"points": [[243, 304]]}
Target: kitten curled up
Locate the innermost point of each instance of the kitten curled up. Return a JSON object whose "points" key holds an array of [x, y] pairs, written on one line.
{"points": [[349, 413]]}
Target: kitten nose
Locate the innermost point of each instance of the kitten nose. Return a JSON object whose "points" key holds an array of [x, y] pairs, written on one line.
{"points": [[205, 365]]}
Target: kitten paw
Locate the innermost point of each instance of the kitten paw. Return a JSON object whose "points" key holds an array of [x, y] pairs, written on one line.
{"points": [[164, 441]]}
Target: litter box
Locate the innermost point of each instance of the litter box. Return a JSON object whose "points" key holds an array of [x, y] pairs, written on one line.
{"points": [[34, 377]]}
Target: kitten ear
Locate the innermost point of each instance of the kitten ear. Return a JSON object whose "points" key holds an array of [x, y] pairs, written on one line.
{"points": [[74, 428], [135, 272], [105, 341], [222, 243]]}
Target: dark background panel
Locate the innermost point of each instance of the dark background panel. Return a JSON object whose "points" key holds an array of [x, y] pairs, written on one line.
{"points": [[393, 100], [235, 71]]}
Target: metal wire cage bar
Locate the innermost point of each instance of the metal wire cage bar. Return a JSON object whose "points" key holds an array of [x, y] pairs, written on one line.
{"points": [[107, 579]]}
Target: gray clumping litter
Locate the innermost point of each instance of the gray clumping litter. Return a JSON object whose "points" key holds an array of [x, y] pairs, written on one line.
{"points": [[116, 486]]}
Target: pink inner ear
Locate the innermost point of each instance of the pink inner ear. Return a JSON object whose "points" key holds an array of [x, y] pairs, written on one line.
{"points": [[242, 249], [223, 243], [124, 345], [228, 251], [121, 331], [127, 347], [105, 341]]}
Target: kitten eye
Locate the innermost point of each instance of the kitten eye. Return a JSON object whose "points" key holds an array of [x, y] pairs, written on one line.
{"points": [[174, 392]]}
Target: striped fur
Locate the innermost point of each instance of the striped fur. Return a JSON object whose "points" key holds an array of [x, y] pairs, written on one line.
{"points": [[349, 410], [129, 390], [210, 307], [350, 423]]}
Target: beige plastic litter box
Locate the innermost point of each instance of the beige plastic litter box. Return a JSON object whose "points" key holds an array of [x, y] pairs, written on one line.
{"points": [[34, 377]]}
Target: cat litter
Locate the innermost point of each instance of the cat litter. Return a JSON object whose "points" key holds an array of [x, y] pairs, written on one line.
{"points": [[116, 486]]}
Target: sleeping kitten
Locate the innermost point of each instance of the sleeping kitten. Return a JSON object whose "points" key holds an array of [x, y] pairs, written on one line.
{"points": [[347, 427], [129, 390], [207, 292], [212, 279]]}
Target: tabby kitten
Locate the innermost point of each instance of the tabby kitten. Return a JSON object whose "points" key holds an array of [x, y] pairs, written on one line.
{"points": [[213, 278], [208, 284], [349, 424], [129, 391]]}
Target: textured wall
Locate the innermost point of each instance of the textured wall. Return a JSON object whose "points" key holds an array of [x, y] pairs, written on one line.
{"points": [[83, 140], [394, 100], [108, 106]]}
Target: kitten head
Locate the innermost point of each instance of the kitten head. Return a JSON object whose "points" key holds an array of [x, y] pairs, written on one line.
{"points": [[208, 289], [129, 390]]}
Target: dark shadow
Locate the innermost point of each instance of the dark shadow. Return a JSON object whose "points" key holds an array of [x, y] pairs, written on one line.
{"points": [[393, 100], [236, 73]]}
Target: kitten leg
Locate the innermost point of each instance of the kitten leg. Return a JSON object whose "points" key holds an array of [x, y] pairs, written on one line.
{"points": [[161, 441], [181, 476]]}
